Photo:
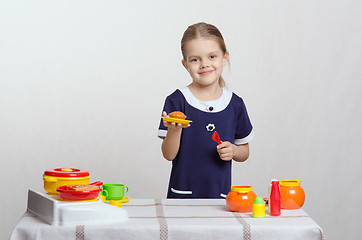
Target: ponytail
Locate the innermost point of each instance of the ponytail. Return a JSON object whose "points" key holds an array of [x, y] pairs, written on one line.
{"points": [[221, 82]]}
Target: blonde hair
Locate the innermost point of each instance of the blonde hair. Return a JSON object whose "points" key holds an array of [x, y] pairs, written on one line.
{"points": [[205, 30]]}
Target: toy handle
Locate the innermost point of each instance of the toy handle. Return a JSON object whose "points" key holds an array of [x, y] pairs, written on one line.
{"points": [[126, 190], [104, 191], [50, 179], [98, 183]]}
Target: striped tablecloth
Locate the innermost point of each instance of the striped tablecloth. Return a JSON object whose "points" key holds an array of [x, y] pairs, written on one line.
{"points": [[179, 219]]}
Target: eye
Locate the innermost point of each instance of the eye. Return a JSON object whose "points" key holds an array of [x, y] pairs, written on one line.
{"points": [[194, 60], [212, 56]]}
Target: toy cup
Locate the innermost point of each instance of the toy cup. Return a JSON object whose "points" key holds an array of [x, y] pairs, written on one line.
{"points": [[114, 191]]}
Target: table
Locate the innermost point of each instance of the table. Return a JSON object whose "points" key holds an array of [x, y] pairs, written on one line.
{"points": [[179, 219]]}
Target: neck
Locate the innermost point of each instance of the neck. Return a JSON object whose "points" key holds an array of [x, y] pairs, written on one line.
{"points": [[205, 93]]}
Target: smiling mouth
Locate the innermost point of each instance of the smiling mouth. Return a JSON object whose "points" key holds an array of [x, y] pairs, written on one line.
{"points": [[206, 72]]}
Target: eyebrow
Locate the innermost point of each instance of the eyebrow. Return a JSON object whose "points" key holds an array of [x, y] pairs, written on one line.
{"points": [[211, 53], [192, 56], [214, 52]]}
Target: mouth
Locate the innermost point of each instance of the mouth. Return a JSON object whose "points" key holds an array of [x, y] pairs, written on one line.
{"points": [[206, 72]]}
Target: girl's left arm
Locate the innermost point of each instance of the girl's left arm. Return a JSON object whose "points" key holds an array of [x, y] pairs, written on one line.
{"points": [[228, 151]]}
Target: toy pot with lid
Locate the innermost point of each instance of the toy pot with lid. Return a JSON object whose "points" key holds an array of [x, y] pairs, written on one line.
{"points": [[240, 199], [292, 194], [55, 178]]}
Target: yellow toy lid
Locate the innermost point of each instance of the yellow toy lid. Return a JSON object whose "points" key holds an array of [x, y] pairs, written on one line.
{"points": [[241, 188]]}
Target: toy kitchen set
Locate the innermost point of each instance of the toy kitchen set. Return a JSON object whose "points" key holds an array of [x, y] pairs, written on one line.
{"points": [[70, 199]]}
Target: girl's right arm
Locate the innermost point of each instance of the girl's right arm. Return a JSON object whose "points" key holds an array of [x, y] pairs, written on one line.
{"points": [[171, 143]]}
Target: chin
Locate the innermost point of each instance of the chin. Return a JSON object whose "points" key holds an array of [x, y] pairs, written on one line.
{"points": [[206, 84]]}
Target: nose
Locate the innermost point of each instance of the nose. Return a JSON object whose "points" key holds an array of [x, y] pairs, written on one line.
{"points": [[205, 63]]}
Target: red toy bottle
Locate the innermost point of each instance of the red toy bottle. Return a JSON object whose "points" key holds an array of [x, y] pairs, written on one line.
{"points": [[274, 205]]}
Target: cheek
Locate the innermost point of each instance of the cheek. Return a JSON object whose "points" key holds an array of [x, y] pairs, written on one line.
{"points": [[192, 69], [191, 72], [220, 65]]}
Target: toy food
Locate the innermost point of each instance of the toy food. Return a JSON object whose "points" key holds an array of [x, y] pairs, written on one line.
{"points": [[176, 117], [78, 195], [78, 192], [258, 208], [81, 187], [177, 114], [240, 199], [274, 204]]}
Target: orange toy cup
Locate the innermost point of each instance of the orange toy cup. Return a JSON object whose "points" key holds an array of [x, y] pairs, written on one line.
{"points": [[240, 199], [292, 194]]}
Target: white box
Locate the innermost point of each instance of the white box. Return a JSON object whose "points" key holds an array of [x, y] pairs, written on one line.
{"points": [[57, 212]]}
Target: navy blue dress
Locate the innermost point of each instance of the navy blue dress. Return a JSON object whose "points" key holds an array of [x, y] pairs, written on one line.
{"points": [[197, 171]]}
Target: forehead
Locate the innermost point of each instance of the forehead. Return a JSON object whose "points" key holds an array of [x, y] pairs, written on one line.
{"points": [[202, 46]]}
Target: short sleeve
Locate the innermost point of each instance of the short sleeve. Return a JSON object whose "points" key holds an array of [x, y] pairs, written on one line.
{"points": [[244, 129]]}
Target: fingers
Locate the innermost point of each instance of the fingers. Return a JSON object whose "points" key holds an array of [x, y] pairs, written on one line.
{"points": [[223, 145], [174, 125], [184, 125], [165, 123], [179, 125], [226, 151], [226, 155]]}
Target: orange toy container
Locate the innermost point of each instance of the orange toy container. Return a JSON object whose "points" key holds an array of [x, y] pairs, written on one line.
{"points": [[292, 194], [240, 199]]}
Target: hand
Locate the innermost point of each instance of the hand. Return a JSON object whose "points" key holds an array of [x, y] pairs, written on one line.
{"points": [[226, 151], [172, 125]]}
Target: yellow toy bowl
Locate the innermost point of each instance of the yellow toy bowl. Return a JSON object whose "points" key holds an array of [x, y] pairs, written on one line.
{"points": [[55, 178], [52, 183]]}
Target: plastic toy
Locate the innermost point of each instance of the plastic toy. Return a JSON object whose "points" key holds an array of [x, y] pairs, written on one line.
{"points": [[292, 194], [114, 191], [274, 205], [177, 114], [215, 136], [269, 190], [177, 117], [240, 199], [54, 178], [79, 195], [258, 208]]}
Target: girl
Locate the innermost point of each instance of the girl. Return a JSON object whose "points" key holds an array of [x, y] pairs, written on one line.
{"points": [[200, 167]]}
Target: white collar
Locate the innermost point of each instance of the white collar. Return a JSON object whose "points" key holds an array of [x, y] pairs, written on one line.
{"points": [[208, 106]]}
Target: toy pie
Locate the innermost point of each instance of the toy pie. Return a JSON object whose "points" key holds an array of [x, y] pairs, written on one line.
{"points": [[81, 187], [177, 117]]}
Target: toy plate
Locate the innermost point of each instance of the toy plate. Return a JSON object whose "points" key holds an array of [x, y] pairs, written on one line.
{"points": [[123, 200], [177, 120]]}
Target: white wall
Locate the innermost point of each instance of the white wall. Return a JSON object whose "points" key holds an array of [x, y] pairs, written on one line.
{"points": [[82, 84]]}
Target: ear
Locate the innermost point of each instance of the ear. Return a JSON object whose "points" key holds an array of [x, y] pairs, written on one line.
{"points": [[226, 58], [184, 64]]}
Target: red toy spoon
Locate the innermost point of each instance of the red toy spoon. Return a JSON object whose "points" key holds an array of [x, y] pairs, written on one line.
{"points": [[216, 137]]}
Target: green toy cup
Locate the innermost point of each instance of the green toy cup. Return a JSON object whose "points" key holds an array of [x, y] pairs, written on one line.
{"points": [[114, 191]]}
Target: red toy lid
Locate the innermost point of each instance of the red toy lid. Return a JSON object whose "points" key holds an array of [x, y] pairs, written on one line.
{"points": [[66, 172]]}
